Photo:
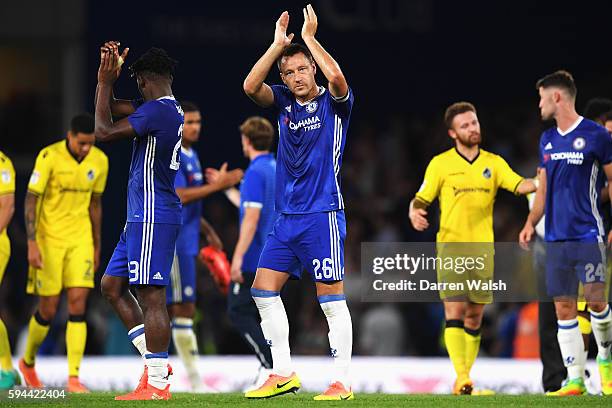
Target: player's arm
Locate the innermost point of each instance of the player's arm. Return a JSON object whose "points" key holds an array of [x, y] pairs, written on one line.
{"points": [[7, 209], [210, 234], [232, 193], [108, 72], [95, 215], [338, 86], [224, 180], [34, 256], [248, 227], [254, 85], [608, 170], [537, 211], [425, 196]]}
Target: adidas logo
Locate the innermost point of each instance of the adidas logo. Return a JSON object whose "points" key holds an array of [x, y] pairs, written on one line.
{"points": [[288, 108], [548, 146], [157, 276]]}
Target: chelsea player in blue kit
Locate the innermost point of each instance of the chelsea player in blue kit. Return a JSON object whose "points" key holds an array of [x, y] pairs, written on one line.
{"points": [[145, 251], [311, 227], [181, 292], [571, 155], [255, 200]]}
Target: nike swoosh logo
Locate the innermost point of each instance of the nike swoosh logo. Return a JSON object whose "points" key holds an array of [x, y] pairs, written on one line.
{"points": [[345, 398], [283, 384]]}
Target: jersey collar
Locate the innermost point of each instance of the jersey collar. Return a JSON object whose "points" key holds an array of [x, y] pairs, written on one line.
{"points": [[72, 154], [170, 97], [188, 152], [571, 128], [261, 156], [465, 158], [321, 92]]}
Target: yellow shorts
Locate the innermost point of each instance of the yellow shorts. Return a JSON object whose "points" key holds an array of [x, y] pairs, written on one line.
{"points": [[5, 254], [63, 267], [465, 271]]}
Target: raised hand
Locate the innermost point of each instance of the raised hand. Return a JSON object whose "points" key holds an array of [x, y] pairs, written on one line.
{"points": [[309, 28], [111, 62], [280, 33]]}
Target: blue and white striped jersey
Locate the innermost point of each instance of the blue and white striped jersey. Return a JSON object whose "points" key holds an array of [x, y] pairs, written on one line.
{"points": [[573, 160], [155, 161], [311, 141]]}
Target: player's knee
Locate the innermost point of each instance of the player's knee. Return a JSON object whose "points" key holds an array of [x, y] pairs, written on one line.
{"points": [[47, 310], [597, 307], [110, 289]]}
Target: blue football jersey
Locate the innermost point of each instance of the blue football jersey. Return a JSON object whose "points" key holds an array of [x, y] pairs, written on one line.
{"points": [[573, 161], [155, 161], [257, 191], [311, 141], [189, 175]]}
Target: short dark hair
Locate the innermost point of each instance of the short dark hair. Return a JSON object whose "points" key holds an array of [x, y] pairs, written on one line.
{"points": [[82, 123], [154, 61], [455, 109], [259, 131], [560, 79], [597, 108], [292, 50], [188, 106]]}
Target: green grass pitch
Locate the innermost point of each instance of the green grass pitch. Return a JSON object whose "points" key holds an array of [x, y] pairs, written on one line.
{"points": [[105, 399]]}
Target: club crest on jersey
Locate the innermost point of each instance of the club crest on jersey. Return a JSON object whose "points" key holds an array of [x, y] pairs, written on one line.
{"points": [[312, 106], [90, 175], [6, 177], [486, 173], [579, 143]]}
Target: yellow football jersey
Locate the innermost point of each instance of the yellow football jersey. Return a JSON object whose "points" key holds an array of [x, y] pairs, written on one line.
{"points": [[7, 186], [466, 192], [65, 187]]}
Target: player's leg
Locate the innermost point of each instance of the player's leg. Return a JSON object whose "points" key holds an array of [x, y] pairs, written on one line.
{"points": [[471, 325], [47, 284], [115, 288], [76, 335], [454, 339], [243, 314], [601, 322], [8, 376], [150, 252], [180, 294]]}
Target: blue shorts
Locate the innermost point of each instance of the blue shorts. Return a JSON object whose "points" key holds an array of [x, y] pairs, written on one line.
{"points": [[569, 263], [144, 253], [313, 241], [182, 279]]}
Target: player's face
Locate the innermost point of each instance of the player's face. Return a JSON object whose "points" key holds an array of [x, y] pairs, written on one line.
{"points": [[298, 73], [192, 126], [547, 104], [80, 144], [466, 129]]}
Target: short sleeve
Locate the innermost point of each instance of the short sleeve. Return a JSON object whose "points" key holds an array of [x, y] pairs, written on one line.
{"points": [[180, 181], [282, 96], [41, 173], [506, 177], [100, 182], [343, 105], [604, 152], [252, 190], [431, 183], [541, 154], [7, 177], [141, 119]]}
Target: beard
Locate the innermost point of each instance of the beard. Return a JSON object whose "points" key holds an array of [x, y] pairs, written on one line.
{"points": [[471, 140]]}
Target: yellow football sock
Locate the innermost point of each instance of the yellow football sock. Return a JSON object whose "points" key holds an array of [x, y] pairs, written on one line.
{"points": [[37, 331], [5, 349], [454, 338], [584, 324], [472, 345], [76, 337]]}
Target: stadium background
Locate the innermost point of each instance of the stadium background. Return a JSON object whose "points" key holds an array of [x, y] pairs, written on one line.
{"points": [[406, 61]]}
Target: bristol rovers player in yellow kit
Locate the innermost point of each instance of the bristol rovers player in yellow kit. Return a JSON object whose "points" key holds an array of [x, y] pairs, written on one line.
{"points": [[8, 375], [465, 180], [63, 211]]}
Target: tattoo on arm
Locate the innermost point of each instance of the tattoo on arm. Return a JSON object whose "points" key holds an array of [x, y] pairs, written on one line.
{"points": [[30, 215]]}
